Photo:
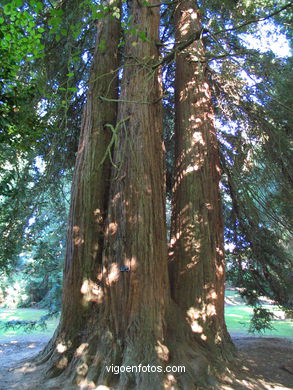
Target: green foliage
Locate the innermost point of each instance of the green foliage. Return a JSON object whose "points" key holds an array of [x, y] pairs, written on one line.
{"points": [[21, 36], [25, 325], [261, 320], [37, 277], [258, 183]]}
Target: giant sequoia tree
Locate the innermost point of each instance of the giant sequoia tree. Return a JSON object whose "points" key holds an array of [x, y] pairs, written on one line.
{"points": [[118, 220], [129, 298]]}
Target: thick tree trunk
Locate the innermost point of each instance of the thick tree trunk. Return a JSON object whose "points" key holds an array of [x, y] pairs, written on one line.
{"points": [[197, 268], [136, 231], [91, 183], [112, 316], [117, 306], [89, 204]]}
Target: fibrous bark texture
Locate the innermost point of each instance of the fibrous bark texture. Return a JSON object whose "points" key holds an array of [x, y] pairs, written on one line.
{"points": [[119, 305], [136, 233], [88, 211], [197, 268]]}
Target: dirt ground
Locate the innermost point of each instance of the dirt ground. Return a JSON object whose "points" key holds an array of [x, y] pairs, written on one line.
{"points": [[263, 364]]}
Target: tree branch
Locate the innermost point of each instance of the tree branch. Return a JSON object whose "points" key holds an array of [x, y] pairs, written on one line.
{"points": [[256, 20], [181, 46], [198, 35]]}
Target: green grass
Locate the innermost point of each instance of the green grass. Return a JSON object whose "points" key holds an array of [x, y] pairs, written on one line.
{"points": [[237, 319], [28, 315]]}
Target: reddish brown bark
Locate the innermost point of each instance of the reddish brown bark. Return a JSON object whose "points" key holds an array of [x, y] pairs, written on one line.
{"points": [[89, 203], [197, 268], [90, 187], [117, 316], [111, 315], [136, 231]]}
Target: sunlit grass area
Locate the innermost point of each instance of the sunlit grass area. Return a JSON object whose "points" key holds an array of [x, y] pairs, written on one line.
{"points": [[25, 315], [237, 318]]}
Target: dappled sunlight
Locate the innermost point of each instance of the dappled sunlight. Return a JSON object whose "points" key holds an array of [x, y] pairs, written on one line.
{"points": [[131, 263], [115, 198], [203, 99], [77, 239], [170, 383], [188, 239], [207, 310], [212, 294], [188, 16], [162, 351], [184, 94], [61, 348], [26, 368], [198, 316], [85, 384], [112, 229], [98, 216], [220, 268], [196, 123], [62, 363], [220, 251], [81, 349], [190, 168], [113, 274], [194, 317], [91, 292], [198, 138], [196, 328], [82, 369], [218, 169], [188, 163], [219, 338]]}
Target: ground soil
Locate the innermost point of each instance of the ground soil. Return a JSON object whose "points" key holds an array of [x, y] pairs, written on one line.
{"points": [[263, 364]]}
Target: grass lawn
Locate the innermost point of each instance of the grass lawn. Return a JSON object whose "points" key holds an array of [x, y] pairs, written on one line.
{"points": [[237, 318], [25, 314]]}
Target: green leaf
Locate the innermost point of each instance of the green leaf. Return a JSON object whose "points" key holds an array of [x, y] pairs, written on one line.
{"points": [[7, 9], [70, 74], [18, 3], [39, 6], [57, 12], [142, 35]]}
